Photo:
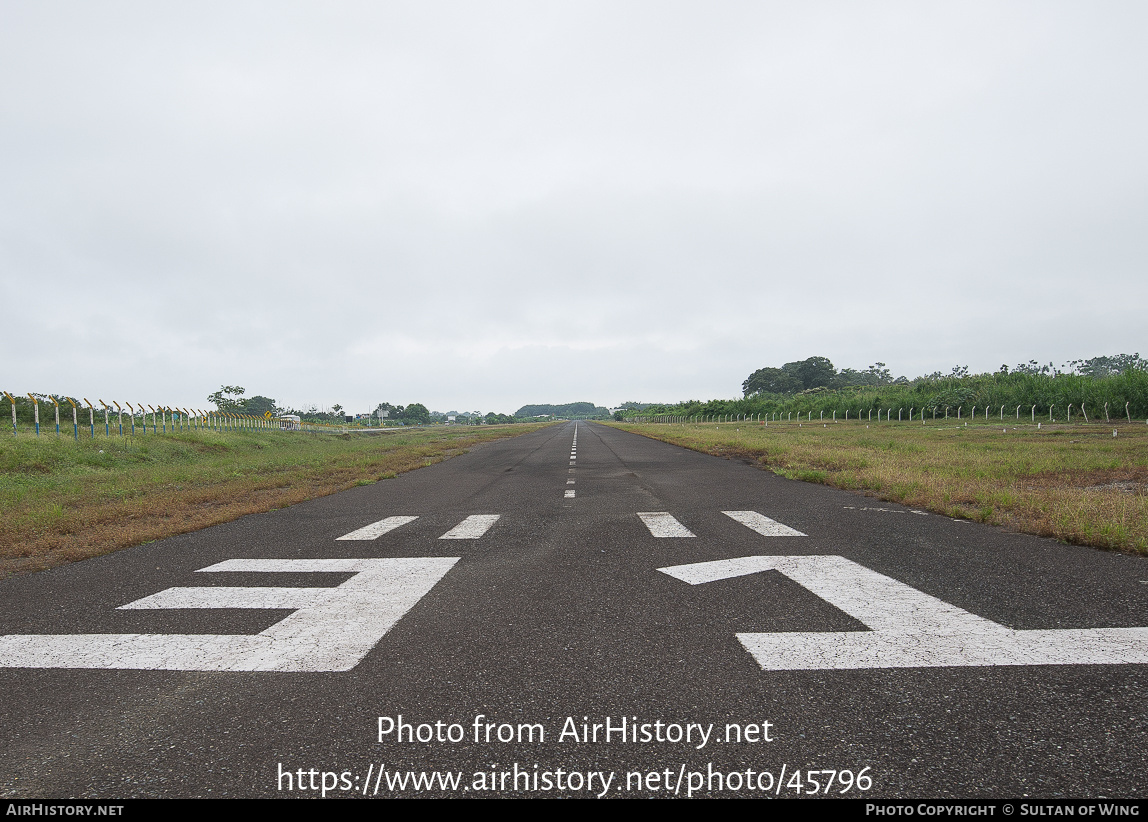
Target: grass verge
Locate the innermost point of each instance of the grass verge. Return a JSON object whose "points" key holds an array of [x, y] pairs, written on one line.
{"points": [[1076, 483], [62, 500]]}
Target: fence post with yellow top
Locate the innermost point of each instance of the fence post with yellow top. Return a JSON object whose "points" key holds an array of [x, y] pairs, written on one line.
{"points": [[12, 400], [35, 412]]}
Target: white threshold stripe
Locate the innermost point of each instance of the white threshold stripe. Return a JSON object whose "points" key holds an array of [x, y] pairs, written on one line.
{"points": [[908, 628], [569, 493], [377, 529], [762, 524], [331, 629], [662, 524], [472, 527]]}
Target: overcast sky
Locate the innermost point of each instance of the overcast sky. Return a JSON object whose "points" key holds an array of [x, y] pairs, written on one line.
{"points": [[476, 205]]}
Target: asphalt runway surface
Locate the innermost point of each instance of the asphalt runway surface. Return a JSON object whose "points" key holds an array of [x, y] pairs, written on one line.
{"points": [[580, 611]]}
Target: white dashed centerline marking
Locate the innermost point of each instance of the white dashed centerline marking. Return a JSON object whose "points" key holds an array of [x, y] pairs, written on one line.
{"points": [[472, 527], [569, 493], [762, 524], [377, 529], [662, 524]]}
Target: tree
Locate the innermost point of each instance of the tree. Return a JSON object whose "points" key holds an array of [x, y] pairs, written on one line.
{"points": [[227, 398], [259, 405], [770, 381], [416, 414], [814, 372], [1109, 366], [879, 374]]}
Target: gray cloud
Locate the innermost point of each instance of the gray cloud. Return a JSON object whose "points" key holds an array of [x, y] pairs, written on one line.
{"points": [[482, 205]]}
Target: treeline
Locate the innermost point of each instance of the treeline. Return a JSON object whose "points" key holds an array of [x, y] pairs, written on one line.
{"points": [[230, 400], [569, 411], [1090, 383]]}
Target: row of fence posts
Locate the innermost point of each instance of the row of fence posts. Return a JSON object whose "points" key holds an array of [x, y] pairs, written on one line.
{"points": [[192, 419], [775, 416]]}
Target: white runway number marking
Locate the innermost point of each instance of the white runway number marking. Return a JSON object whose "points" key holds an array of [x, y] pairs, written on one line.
{"points": [[907, 628], [329, 629]]}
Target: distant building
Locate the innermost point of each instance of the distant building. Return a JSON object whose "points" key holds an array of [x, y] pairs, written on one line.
{"points": [[289, 422]]}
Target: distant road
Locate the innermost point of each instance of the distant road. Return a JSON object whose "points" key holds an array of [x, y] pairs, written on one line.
{"points": [[580, 611]]}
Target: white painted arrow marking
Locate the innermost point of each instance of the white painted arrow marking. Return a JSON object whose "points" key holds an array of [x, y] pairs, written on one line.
{"points": [[908, 628], [662, 525], [762, 524], [331, 629], [472, 527], [377, 529]]}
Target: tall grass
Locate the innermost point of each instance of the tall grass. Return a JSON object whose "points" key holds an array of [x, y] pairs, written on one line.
{"points": [[985, 391], [1077, 484]]}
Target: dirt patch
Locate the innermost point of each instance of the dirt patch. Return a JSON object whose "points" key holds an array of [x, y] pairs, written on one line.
{"points": [[1122, 479], [1127, 486]]}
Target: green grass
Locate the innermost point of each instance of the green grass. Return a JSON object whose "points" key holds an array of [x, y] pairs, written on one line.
{"points": [[63, 500], [1076, 483]]}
